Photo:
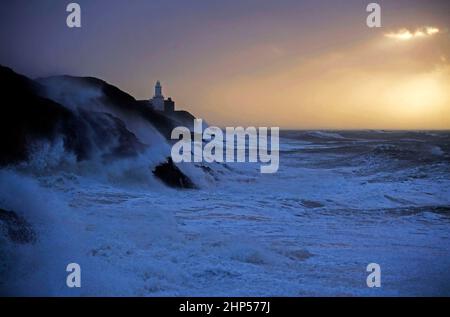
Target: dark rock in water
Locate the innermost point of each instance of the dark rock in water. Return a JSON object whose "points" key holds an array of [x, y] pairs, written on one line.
{"points": [[16, 227], [171, 175]]}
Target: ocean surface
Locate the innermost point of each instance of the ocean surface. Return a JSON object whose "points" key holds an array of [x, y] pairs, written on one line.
{"points": [[340, 201]]}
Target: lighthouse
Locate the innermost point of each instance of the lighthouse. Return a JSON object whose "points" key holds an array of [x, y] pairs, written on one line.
{"points": [[159, 103], [158, 99]]}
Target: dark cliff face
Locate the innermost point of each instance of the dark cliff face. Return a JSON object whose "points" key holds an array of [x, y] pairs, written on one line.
{"points": [[25, 116]]}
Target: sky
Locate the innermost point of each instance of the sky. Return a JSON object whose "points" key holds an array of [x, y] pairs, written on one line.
{"points": [[295, 64]]}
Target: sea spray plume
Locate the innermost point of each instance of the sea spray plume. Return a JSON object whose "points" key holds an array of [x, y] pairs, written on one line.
{"points": [[62, 221]]}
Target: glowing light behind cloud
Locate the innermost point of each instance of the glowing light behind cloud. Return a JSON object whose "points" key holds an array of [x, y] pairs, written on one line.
{"points": [[347, 88], [405, 34]]}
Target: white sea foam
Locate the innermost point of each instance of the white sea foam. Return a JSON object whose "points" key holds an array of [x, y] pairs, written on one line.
{"points": [[302, 231]]}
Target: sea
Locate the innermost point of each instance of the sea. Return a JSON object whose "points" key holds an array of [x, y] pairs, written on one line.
{"points": [[340, 201]]}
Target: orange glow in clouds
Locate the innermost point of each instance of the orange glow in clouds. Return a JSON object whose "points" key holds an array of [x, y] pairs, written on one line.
{"points": [[405, 34], [370, 85]]}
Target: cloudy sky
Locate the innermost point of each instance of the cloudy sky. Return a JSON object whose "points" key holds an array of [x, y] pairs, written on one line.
{"points": [[288, 63]]}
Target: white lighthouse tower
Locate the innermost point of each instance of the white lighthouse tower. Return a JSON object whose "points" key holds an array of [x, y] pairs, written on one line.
{"points": [[158, 98]]}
